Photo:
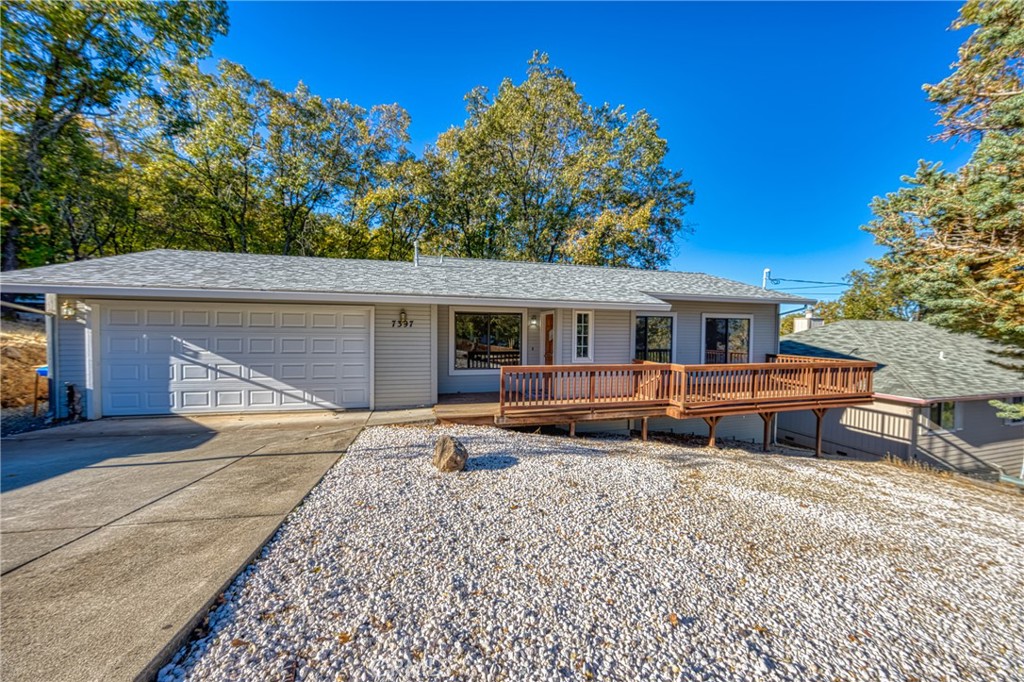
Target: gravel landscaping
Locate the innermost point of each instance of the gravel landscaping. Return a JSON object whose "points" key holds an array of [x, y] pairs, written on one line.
{"points": [[606, 558]]}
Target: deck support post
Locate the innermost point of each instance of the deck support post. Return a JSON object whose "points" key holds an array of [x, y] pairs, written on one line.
{"points": [[712, 423], [819, 414], [643, 429], [572, 429], [767, 417]]}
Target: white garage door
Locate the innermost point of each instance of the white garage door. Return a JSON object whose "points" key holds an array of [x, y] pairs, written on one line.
{"points": [[159, 358]]}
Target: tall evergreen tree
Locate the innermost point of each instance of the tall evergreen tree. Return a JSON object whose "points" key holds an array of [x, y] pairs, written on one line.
{"points": [[955, 240]]}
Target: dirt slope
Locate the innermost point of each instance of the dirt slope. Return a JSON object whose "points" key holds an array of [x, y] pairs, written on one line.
{"points": [[22, 347]]}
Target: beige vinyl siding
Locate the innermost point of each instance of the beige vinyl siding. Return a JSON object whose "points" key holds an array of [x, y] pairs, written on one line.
{"points": [[402, 368], [984, 443], [880, 428], [70, 358]]}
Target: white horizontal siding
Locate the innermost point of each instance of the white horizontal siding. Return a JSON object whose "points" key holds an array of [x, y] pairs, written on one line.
{"points": [[402, 362], [70, 356], [610, 337]]}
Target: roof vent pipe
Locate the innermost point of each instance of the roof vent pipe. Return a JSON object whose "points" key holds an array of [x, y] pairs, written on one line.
{"points": [[416, 253]]}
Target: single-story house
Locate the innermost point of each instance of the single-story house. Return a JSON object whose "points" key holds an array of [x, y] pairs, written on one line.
{"points": [[181, 332], [931, 391]]}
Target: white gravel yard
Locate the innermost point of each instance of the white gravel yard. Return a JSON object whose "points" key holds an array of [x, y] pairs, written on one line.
{"points": [[558, 558]]}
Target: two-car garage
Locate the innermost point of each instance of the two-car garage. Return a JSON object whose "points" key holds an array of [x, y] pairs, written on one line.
{"points": [[174, 357]]}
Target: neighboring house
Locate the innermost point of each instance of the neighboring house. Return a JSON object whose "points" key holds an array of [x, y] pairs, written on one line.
{"points": [[932, 389], [182, 332]]}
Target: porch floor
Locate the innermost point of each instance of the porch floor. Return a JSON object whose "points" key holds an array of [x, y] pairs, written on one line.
{"points": [[475, 409]]}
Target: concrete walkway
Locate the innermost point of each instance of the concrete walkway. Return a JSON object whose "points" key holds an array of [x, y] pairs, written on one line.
{"points": [[115, 534]]}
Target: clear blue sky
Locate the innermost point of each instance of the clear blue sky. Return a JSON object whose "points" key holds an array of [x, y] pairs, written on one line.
{"points": [[787, 117]]}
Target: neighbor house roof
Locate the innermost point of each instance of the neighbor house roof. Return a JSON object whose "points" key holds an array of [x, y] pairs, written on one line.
{"points": [[204, 274], [915, 360]]}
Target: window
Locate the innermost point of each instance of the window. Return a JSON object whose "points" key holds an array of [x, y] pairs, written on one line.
{"points": [[1016, 400], [726, 339], [653, 338], [485, 341], [943, 416], [583, 347]]}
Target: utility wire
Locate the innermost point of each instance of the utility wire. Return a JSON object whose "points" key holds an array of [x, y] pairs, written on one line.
{"points": [[779, 280]]}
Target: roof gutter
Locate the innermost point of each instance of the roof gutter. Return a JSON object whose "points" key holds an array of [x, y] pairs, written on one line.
{"points": [[732, 299], [335, 297], [923, 402]]}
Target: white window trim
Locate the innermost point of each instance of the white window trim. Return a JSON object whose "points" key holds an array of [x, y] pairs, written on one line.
{"points": [[652, 313], [958, 418], [590, 336], [735, 316], [452, 372]]}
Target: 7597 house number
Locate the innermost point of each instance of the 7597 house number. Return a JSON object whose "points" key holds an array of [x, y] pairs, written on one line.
{"points": [[402, 323]]}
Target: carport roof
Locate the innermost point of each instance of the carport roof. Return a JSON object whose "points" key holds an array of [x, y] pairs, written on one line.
{"points": [[203, 274]]}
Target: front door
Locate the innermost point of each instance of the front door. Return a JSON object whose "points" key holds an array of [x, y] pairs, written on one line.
{"points": [[549, 339]]}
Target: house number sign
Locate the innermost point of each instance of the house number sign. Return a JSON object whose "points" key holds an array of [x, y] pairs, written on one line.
{"points": [[402, 321]]}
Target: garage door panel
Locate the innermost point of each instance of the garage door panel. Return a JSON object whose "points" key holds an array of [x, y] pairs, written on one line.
{"points": [[164, 357], [195, 318]]}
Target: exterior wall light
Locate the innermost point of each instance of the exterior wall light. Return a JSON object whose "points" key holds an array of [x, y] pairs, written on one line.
{"points": [[402, 317], [68, 309], [533, 321]]}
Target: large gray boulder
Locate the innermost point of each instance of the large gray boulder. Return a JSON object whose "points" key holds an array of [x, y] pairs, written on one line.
{"points": [[450, 454]]}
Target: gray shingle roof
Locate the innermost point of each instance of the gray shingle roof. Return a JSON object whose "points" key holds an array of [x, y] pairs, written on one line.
{"points": [[453, 278], [916, 360]]}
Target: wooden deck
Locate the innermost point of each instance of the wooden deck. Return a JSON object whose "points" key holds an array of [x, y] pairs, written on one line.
{"points": [[567, 394], [477, 409]]}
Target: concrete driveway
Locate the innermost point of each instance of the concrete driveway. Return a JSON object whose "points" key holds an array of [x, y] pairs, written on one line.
{"points": [[114, 534]]}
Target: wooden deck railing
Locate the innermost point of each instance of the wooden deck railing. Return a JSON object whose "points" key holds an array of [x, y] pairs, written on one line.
{"points": [[682, 390], [533, 387]]}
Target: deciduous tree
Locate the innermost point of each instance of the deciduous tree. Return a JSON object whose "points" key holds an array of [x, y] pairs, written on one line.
{"points": [[74, 60], [537, 173]]}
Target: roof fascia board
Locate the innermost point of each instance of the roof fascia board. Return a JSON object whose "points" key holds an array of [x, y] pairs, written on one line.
{"points": [[730, 299], [322, 296], [953, 398]]}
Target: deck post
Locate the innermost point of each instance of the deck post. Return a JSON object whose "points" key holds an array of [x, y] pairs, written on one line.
{"points": [[643, 429], [767, 417], [501, 392], [712, 423], [572, 429], [819, 414]]}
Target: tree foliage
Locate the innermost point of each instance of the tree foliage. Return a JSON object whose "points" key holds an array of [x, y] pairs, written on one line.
{"points": [[955, 240], [871, 295], [66, 66], [154, 151], [536, 173]]}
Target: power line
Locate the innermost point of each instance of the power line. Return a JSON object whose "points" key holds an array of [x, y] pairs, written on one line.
{"points": [[779, 280]]}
